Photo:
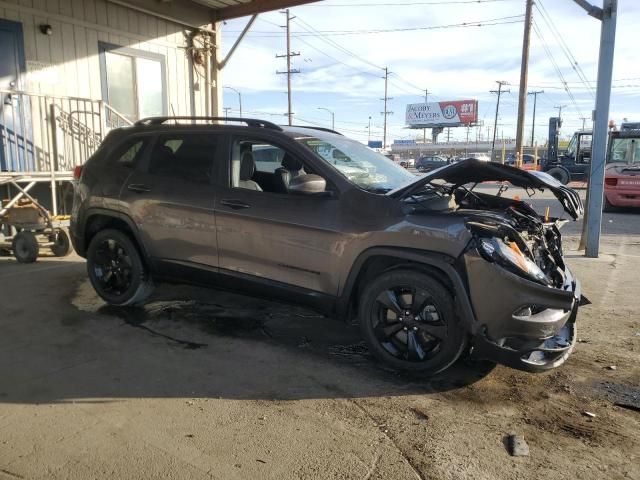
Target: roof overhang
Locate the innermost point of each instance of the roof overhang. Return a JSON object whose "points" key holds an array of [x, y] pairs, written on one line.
{"points": [[203, 12]]}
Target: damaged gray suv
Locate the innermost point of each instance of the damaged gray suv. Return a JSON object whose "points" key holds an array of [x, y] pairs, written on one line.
{"points": [[430, 267]]}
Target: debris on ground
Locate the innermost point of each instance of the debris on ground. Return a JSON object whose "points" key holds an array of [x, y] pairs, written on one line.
{"points": [[518, 447], [611, 367], [589, 414]]}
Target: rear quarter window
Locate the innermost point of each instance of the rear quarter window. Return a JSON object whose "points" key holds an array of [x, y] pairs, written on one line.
{"points": [[129, 153]]}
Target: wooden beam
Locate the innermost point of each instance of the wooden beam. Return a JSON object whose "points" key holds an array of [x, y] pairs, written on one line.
{"points": [[256, 6]]}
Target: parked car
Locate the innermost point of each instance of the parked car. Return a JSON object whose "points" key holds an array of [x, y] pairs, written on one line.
{"points": [[622, 170], [529, 161], [429, 269], [483, 157], [428, 163], [408, 162]]}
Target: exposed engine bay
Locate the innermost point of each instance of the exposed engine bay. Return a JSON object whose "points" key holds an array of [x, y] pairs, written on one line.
{"points": [[519, 226], [506, 231]]}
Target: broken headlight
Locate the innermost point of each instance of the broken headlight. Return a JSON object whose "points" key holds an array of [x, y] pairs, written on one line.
{"points": [[509, 256]]}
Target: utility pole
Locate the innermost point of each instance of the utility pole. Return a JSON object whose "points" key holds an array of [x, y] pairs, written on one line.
{"points": [[288, 56], [495, 123], [369, 135], [226, 113], [524, 75], [239, 98], [333, 117], [386, 113], [424, 131], [607, 16], [533, 126], [584, 119], [560, 107]]}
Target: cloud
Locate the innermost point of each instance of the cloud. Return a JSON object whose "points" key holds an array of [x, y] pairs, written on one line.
{"points": [[451, 63]]}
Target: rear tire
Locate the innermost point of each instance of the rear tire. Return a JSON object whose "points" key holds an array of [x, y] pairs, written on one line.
{"points": [[116, 269], [607, 207], [560, 174], [61, 242], [25, 247], [409, 322]]}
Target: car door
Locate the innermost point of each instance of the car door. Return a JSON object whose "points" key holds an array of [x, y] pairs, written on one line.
{"points": [[170, 197], [276, 237]]}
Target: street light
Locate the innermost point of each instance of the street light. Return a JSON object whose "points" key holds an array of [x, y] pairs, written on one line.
{"points": [[333, 117], [239, 99], [369, 138]]}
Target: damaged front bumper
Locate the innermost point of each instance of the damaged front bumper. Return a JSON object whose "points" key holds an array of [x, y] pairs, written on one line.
{"points": [[520, 323]]}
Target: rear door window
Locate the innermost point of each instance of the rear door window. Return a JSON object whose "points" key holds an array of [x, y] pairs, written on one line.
{"points": [[129, 153], [188, 157]]}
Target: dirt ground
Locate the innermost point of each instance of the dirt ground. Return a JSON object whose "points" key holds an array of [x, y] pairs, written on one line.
{"points": [[204, 384]]}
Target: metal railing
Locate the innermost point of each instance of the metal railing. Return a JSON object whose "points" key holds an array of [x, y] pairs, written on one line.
{"points": [[47, 133]]}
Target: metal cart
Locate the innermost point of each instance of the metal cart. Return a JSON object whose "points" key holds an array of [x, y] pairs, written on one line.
{"points": [[26, 226]]}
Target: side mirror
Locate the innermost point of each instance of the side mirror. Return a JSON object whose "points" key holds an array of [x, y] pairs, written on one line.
{"points": [[309, 184]]}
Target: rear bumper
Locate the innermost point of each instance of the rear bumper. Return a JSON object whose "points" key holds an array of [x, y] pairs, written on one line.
{"points": [[507, 333], [621, 197]]}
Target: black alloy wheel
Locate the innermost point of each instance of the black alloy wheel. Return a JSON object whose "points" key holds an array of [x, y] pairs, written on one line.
{"points": [[409, 322], [116, 270]]}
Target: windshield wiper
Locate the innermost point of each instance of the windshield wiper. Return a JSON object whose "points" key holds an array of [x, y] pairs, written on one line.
{"points": [[381, 190]]}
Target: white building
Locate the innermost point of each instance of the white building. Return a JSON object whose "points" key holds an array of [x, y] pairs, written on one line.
{"points": [[70, 70]]}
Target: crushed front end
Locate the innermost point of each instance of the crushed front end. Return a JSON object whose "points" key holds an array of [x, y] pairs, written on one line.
{"points": [[524, 296]]}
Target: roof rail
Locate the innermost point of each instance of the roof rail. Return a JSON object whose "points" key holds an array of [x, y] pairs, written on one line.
{"points": [[251, 122], [317, 128]]}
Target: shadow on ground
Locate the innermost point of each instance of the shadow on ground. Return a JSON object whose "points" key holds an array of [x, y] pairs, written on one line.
{"points": [[59, 343]]}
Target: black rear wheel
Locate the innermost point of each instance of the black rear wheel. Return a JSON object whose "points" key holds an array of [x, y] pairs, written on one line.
{"points": [[25, 247], [116, 270], [61, 242], [408, 321]]}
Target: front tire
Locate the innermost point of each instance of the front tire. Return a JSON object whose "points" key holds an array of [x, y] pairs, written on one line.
{"points": [[25, 247], [116, 269], [560, 174], [607, 206], [409, 322]]}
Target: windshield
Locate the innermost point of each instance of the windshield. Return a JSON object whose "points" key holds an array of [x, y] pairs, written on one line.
{"points": [[369, 170], [625, 150]]}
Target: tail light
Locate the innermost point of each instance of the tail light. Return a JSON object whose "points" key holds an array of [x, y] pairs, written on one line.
{"points": [[612, 182], [77, 172]]}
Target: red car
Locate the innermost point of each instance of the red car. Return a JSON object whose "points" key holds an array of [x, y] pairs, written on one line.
{"points": [[622, 173]]}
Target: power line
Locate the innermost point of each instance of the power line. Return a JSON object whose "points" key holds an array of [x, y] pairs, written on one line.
{"points": [[404, 4], [335, 45], [476, 23], [556, 67], [565, 48]]}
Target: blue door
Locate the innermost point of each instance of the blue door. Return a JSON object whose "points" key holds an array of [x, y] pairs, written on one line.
{"points": [[16, 147]]}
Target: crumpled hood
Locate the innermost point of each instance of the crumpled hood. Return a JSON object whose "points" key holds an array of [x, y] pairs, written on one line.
{"points": [[472, 171]]}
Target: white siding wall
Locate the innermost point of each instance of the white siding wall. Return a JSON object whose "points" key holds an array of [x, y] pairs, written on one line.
{"points": [[78, 26]]}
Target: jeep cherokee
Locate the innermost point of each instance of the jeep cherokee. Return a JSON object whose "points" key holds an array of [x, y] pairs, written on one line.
{"points": [[430, 267]]}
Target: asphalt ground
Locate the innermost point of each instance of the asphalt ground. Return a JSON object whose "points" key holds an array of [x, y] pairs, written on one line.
{"points": [[205, 384]]}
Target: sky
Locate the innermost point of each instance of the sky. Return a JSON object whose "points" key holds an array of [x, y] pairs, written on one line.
{"points": [[345, 44]]}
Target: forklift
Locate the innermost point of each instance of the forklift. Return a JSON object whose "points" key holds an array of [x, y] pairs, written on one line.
{"points": [[572, 165]]}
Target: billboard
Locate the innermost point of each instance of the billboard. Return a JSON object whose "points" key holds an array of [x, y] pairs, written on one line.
{"points": [[442, 114], [375, 143]]}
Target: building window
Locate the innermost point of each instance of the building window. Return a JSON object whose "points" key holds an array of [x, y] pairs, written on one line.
{"points": [[133, 81]]}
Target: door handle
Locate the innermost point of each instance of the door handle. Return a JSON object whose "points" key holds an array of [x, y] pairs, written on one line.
{"points": [[235, 204], [138, 187]]}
